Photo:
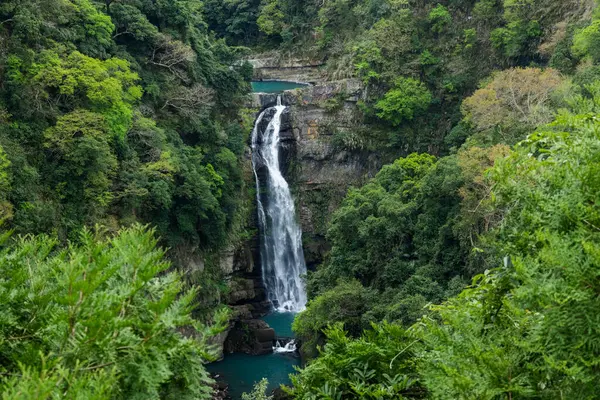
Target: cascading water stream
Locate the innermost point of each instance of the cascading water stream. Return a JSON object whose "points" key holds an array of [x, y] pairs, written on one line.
{"points": [[282, 262], [290, 347], [282, 256]]}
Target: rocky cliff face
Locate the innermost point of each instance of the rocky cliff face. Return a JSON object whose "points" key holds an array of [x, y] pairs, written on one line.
{"points": [[319, 169], [323, 169], [247, 298]]}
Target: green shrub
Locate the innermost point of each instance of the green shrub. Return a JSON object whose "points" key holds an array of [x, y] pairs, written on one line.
{"points": [[101, 319], [376, 366], [439, 18], [406, 99]]}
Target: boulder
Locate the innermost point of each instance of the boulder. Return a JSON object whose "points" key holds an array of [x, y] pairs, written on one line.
{"points": [[266, 100], [218, 343], [220, 389], [254, 337], [226, 261], [241, 291], [243, 261], [241, 312]]}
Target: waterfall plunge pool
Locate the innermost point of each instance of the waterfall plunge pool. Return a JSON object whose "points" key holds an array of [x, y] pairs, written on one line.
{"points": [[242, 371], [275, 86]]}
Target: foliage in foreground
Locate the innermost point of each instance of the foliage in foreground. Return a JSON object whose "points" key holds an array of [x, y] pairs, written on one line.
{"points": [[98, 320], [259, 392], [378, 365], [530, 328]]}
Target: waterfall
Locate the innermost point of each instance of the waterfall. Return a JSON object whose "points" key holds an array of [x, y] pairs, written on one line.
{"points": [[281, 251], [290, 347]]}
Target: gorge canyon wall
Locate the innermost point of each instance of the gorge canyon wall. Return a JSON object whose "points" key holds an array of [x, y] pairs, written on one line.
{"points": [[319, 172]]}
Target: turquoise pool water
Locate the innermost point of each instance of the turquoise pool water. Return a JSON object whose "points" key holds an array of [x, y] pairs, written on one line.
{"points": [[242, 371], [274, 86], [282, 323]]}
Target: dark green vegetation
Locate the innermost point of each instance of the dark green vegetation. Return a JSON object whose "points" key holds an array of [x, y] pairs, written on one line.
{"points": [[511, 209], [378, 365], [527, 327], [419, 59], [467, 270], [113, 113], [96, 321]]}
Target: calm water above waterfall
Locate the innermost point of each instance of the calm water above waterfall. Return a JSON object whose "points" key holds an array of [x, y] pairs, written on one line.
{"points": [[274, 86]]}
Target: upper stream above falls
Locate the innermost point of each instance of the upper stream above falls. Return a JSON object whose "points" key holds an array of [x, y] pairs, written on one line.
{"points": [[272, 86]]}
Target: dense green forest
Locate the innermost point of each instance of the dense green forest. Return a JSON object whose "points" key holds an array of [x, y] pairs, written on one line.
{"points": [[470, 273], [418, 59], [469, 268], [112, 114]]}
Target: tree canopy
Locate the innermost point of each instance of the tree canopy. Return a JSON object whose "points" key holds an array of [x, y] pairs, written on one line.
{"points": [[465, 269], [484, 261], [115, 112]]}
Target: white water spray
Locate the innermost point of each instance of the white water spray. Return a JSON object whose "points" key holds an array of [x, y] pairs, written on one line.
{"points": [[290, 347], [282, 256]]}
